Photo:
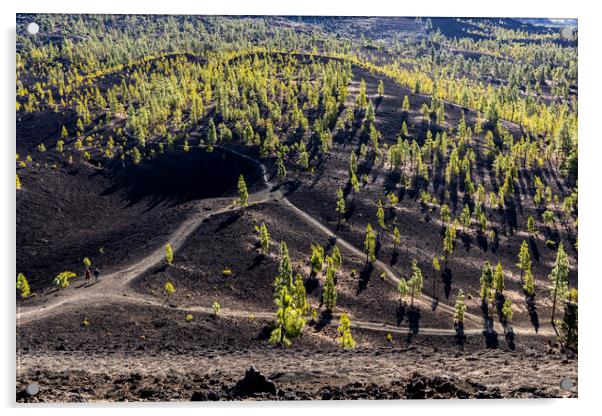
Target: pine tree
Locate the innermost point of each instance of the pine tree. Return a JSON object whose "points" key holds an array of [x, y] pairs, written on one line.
{"points": [[344, 329], [524, 259], [569, 328], [284, 278], [448, 243], [416, 282], [281, 169], [380, 90], [264, 238], [211, 134], [303, 160], [340, 209], [18, 182], [300, 295], [445, 213], [23, 286], [507, 313], [62, 279], [216, 307], [136, 156], [361, 98], [559, 279], [329, 293], [169, 290], [486, 282], [529, 285], [337, 259], [168, 254], [317, 258], [370, 245], [465, 216], [498, 279], [459, 308], [291, 302], [406, 104], [243, 194], [380, 218], [402, 288], [531, 226]]}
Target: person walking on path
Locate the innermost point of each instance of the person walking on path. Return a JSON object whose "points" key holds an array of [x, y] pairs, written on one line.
{"points": [[87, 278]]}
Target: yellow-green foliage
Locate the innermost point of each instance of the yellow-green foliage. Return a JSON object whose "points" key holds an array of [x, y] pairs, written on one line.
{"points": [[344, 329], [23, 286], [87, 262], [216, 307], [189, 317], [62, 279], [168, 254], [227, 272], [169, 288]]}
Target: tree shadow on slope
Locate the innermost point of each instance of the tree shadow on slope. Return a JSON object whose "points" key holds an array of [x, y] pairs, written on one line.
{"points": [[532, 310], [364, 278], [489, 333], [324, 321], [446, 276]]}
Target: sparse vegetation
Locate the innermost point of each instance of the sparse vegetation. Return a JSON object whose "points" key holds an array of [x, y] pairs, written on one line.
{"points": [[455, 138]]}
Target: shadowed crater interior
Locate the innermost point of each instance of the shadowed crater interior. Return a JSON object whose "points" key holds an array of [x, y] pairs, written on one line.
{"points": [[184, 176]]}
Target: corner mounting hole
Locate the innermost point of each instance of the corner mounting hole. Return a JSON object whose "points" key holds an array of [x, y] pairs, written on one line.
{"points": [[33, 28]]}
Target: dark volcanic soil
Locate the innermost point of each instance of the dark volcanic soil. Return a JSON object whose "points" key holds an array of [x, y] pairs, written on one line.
{"points": [[134, 348], [421, 232], [72, 211]]}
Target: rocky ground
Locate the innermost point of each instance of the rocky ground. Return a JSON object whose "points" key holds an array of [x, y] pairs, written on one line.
{"points": [[275, 374]]}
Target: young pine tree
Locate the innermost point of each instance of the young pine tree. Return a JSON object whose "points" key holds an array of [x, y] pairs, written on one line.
{"points": [[317, 258], [290, 314], [416, 282], [344, 329], [507, 313], [264, 238], [531, 226], [340, 209], [524, 259], [23, 286], [169, 290], [380, 218], [370, 245], [406, 104], [329, 293], [380, 90], [337, 259], [243, 194], [559, 279], [529, 283], [486, 282], [168, 254], [459, 308], [62, 279], [448, 244], [402, 289], [498, 279]]}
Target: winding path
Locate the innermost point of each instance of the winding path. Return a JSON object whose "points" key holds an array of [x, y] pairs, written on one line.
{"points": [[114, 286]]}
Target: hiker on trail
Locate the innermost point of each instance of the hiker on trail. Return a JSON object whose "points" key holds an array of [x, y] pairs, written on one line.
{"points": [[96, 274], [87, 279]]}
